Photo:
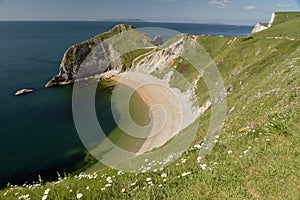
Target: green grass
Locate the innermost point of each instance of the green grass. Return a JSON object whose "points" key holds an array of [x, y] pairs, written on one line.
{"points": [[257, 155], [286, 25]]}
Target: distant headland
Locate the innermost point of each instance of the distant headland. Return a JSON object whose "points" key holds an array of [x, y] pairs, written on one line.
{"points": [[122, 20]]}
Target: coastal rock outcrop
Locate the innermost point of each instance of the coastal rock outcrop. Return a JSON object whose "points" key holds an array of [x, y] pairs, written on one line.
{"points": [[23, 91], [96, 57], [76, 54], [259, 27], [263, 26], [158, 40]]}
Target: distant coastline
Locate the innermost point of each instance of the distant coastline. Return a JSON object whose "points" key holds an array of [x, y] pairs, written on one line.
{"points": [[122, 20]]}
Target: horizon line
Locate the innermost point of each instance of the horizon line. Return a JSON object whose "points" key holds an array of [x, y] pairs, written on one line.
{"points": [[144, 21]]}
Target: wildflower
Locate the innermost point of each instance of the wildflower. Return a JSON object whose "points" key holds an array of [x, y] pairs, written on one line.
{"points": [[148, 179], [120, 172], [102, 189], [242, 129], [155, 170], [268, 140], [164, 175], [160, 185], [79, 196], [150, 183], [246, 151], [165, 180], [47, 191], [45, 197], [199, 159], [5, 194], [108, 185], [229, 151], [87, 188], [108, 178], [203, 166], [185, 174], [71, 191], [146, 160], [183, 160], [133, 184], [198, 146], [123, 190]]}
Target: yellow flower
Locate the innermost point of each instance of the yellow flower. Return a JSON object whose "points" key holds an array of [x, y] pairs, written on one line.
{"points": [[242, 129]]}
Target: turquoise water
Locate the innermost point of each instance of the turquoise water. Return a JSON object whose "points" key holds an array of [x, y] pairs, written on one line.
{"points": [[37, 132]]}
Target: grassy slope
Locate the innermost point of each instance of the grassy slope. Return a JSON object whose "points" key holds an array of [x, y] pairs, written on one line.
{"points": [[285, 25], [262, 131]]}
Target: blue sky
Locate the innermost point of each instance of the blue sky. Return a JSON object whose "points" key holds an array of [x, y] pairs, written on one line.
{"points": [[203, 11]]}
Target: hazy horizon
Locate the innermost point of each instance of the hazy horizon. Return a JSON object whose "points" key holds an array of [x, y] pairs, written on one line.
{"points": [[238, 12]]}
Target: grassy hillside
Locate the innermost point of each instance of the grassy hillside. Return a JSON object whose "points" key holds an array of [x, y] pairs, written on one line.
{"points": [[256, 157], [281, 17], [286, 25]]}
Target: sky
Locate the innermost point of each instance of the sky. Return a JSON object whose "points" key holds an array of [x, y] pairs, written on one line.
{"points": [[195, 11]]}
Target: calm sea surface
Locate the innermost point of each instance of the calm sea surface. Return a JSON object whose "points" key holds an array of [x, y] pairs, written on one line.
{"points": [[37, 132]]}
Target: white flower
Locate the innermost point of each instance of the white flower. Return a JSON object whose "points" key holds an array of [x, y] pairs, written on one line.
{"points": [[155, 170], [148, 179], [164, 175], [229, 151], [108, 185], [45, 197], [108, 178], [146, 160], [198, 146], [183, 160], [102, 189], [203, 166], [47, 191], [185, 174], [199, 159], [87, 188], [246, 151], [268, 140], [120, 172], [123, 190], [165, 180], [160, 185], [133, 184], [79, 196]]}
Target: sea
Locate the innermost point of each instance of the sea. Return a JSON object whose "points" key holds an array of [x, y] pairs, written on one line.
{"points": [[38, 135]]}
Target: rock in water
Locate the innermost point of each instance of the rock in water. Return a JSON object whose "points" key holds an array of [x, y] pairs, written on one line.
{"points": [[77, 53], [23, 91], [157, 41]]}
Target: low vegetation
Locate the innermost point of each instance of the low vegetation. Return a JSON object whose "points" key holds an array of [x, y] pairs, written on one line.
{"points": [[256, 157]]}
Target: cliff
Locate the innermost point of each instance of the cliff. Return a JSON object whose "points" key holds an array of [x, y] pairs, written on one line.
{"points": [[259, 27], [76, 54]]}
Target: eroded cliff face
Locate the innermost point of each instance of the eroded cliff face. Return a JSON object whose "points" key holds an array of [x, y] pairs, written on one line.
{"points": [[77, 53], [95, 57], [259, 27]]}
